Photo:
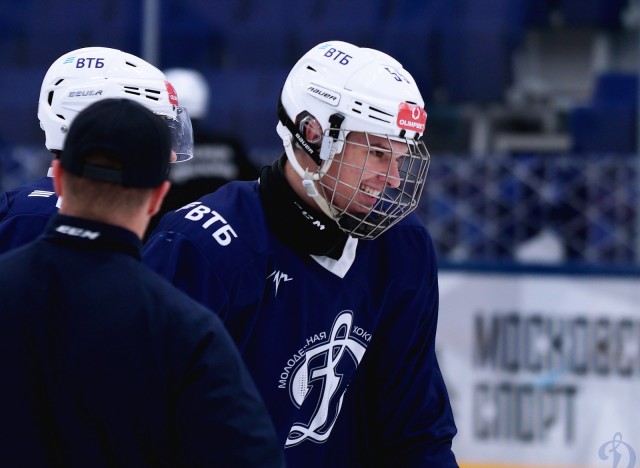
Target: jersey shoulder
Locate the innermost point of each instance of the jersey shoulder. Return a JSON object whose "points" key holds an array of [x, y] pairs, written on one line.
{"points": [[25, 213], [229, 222], [410, 229], [37, 198], [406, 248]]}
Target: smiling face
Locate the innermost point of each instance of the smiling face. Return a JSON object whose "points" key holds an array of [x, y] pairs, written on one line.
{"points": [[374, 182], [367, 165]]}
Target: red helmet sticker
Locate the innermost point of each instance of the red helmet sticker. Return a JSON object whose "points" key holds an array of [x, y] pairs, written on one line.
{"points": [[173, 96], [411, 117]]}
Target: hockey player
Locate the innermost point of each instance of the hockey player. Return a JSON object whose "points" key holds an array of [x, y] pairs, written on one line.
{"points": [[75, 80], [103, 362], [321, 272]]}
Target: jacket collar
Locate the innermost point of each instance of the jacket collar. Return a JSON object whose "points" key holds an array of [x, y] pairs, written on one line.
{"points": [[94, 235]]}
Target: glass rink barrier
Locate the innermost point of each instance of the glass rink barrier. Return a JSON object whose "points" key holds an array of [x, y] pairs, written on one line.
{"points": [[539, 325], [545, 208], [542, 367]]}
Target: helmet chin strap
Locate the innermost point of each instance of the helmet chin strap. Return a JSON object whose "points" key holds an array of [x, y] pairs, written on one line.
{"points": [[309, 179], [322, 156]]}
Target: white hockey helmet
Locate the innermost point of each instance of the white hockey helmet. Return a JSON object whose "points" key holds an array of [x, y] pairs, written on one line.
{"points": [[193, 89], [341, 88], [84, 76]]}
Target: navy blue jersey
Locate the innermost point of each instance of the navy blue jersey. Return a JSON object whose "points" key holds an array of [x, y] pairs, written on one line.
{"points": [[341, 349], [25, 212], [104, 363]]}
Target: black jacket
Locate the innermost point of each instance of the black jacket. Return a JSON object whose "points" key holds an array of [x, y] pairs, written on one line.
{"points": [[103, 363]]}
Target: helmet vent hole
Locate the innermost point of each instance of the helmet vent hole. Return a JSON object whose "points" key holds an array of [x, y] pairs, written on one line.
{"points": [[59, 81], [310, 68], [378, 118], [131, 64], [380, 115], [152, 94], [60, 116], [373, 109], [50, 97]]}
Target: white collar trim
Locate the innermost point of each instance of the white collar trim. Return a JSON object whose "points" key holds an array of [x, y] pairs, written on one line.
{"points": [[341, 266]]}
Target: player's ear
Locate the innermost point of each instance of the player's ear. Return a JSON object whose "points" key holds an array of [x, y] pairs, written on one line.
{"points": [[58, 174], [157, 196]]}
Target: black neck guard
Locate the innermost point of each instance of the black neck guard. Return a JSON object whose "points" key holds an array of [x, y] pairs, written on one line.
{"points": [[305, 230]]}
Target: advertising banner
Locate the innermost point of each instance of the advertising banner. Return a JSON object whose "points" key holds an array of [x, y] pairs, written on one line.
{"points": [[542, 370]]}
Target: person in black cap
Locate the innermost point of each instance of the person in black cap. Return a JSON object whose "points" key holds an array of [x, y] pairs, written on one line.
{"points": [[75, 80], [103, 362]]}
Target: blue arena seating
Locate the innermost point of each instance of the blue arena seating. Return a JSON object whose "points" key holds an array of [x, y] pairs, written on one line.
{"points": [[458, 51], [477, 41], [608, 122], [244, 103], [599, 13], [19, 92]]}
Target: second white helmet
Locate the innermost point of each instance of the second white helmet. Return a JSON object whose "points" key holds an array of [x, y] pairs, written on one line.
{"points": [[83, 76]]}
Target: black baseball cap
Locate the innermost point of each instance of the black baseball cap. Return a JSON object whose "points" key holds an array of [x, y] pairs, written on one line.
{"points": [[128, 133]]}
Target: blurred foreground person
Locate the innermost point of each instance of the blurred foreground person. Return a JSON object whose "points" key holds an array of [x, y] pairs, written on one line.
{"points": [[103, 362]]}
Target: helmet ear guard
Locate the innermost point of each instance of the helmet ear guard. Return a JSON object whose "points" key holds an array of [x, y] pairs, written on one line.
{"points": [[310, 128], [308, 133]]}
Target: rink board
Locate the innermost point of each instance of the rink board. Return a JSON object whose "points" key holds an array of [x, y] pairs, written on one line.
{"points": [[542, 370]]}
